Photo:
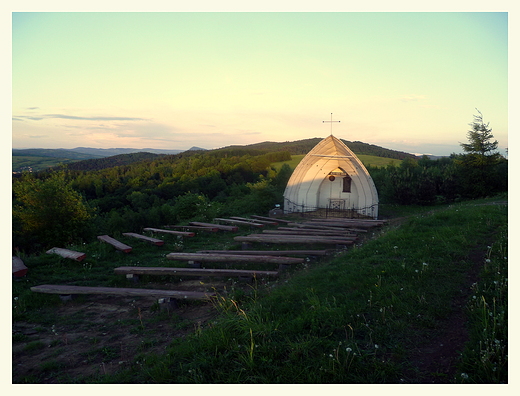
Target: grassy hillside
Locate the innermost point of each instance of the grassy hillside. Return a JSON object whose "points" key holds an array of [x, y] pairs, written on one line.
{"points": [[422, 300]]}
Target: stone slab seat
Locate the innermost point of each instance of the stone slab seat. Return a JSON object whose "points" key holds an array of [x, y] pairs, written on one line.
{"points": [[118, 291], [192, 272]]}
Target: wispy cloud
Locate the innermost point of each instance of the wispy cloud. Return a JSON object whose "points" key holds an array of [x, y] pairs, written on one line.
{"points": [[69, 117], [73, 117]]}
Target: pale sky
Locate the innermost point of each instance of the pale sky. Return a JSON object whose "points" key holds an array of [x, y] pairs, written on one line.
{"points": [[402, 80]]}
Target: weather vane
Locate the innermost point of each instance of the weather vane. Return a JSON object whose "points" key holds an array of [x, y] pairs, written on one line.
{"points": [[330, 123]]}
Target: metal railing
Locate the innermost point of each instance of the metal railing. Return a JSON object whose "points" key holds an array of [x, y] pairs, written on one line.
{"points": [[331, 210]]}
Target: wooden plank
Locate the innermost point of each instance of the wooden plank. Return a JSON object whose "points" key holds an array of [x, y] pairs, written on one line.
{"points": [[305, 236], [303, 231], [19, 268], [315, 226], [115, 243], [192, 271], [270, 252], [270, 219], [154, 241], [66, 253], [202, 257], [322, 227], [178, 233], [192, 227], [348, 224], [119, 291], [273, 223], [219, 226], [280, 239], [239, 222], [345, 220]]}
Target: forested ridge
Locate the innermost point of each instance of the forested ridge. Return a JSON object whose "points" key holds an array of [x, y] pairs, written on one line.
{"points": [[294, 148]]}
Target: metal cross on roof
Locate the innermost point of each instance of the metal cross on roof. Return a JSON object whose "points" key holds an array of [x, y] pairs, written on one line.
{"points": [[331, 123]]}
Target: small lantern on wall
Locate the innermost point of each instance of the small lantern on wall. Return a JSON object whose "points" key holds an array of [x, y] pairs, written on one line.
{"points": [[332, 178]]}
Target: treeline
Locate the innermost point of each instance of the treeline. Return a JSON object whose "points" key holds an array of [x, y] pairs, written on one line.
{"points": [[449, 179], [171, 189]]}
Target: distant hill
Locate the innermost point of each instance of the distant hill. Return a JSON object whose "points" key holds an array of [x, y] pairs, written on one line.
{"points": [[306, 145], [116, 151], [37, 159], [87, 158], [55, 153], [110, 162]]}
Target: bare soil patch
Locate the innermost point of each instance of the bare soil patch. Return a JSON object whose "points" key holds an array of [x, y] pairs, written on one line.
{"points": [[97, 335]]}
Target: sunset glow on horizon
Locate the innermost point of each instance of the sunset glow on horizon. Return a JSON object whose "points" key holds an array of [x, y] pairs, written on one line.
{"points": [[172, 80]]}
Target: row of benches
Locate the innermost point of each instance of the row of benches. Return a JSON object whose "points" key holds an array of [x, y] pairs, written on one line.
{"points": [[170, 297], [195, 259]]}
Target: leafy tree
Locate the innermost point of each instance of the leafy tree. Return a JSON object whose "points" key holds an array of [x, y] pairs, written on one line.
{"points": [[50, 211]]}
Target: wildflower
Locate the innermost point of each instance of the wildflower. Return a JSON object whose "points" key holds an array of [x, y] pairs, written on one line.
{"points": [[488, 260], [376, 346], [425, 264], [348, 349], [464, 376]]}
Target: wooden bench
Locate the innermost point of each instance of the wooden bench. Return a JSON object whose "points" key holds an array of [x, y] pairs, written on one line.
{"points": [[318, 233], [153, 241], [270, 252], [196, 258], [240, 222], [115, 243], [169, 297], [323, 227], [132, 272], [218, 226], [193, 227], [271, 219], [66, 253], [178, 233], [304, 239], [265, 222]]}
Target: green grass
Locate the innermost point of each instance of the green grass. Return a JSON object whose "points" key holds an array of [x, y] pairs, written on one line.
{"points": [[353, 318]]}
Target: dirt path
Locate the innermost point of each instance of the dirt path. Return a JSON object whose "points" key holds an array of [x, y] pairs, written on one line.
{"points": [[436, 360]]}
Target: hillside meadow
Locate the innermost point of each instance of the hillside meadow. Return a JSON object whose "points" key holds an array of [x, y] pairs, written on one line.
{"points": [[422, 299]]}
